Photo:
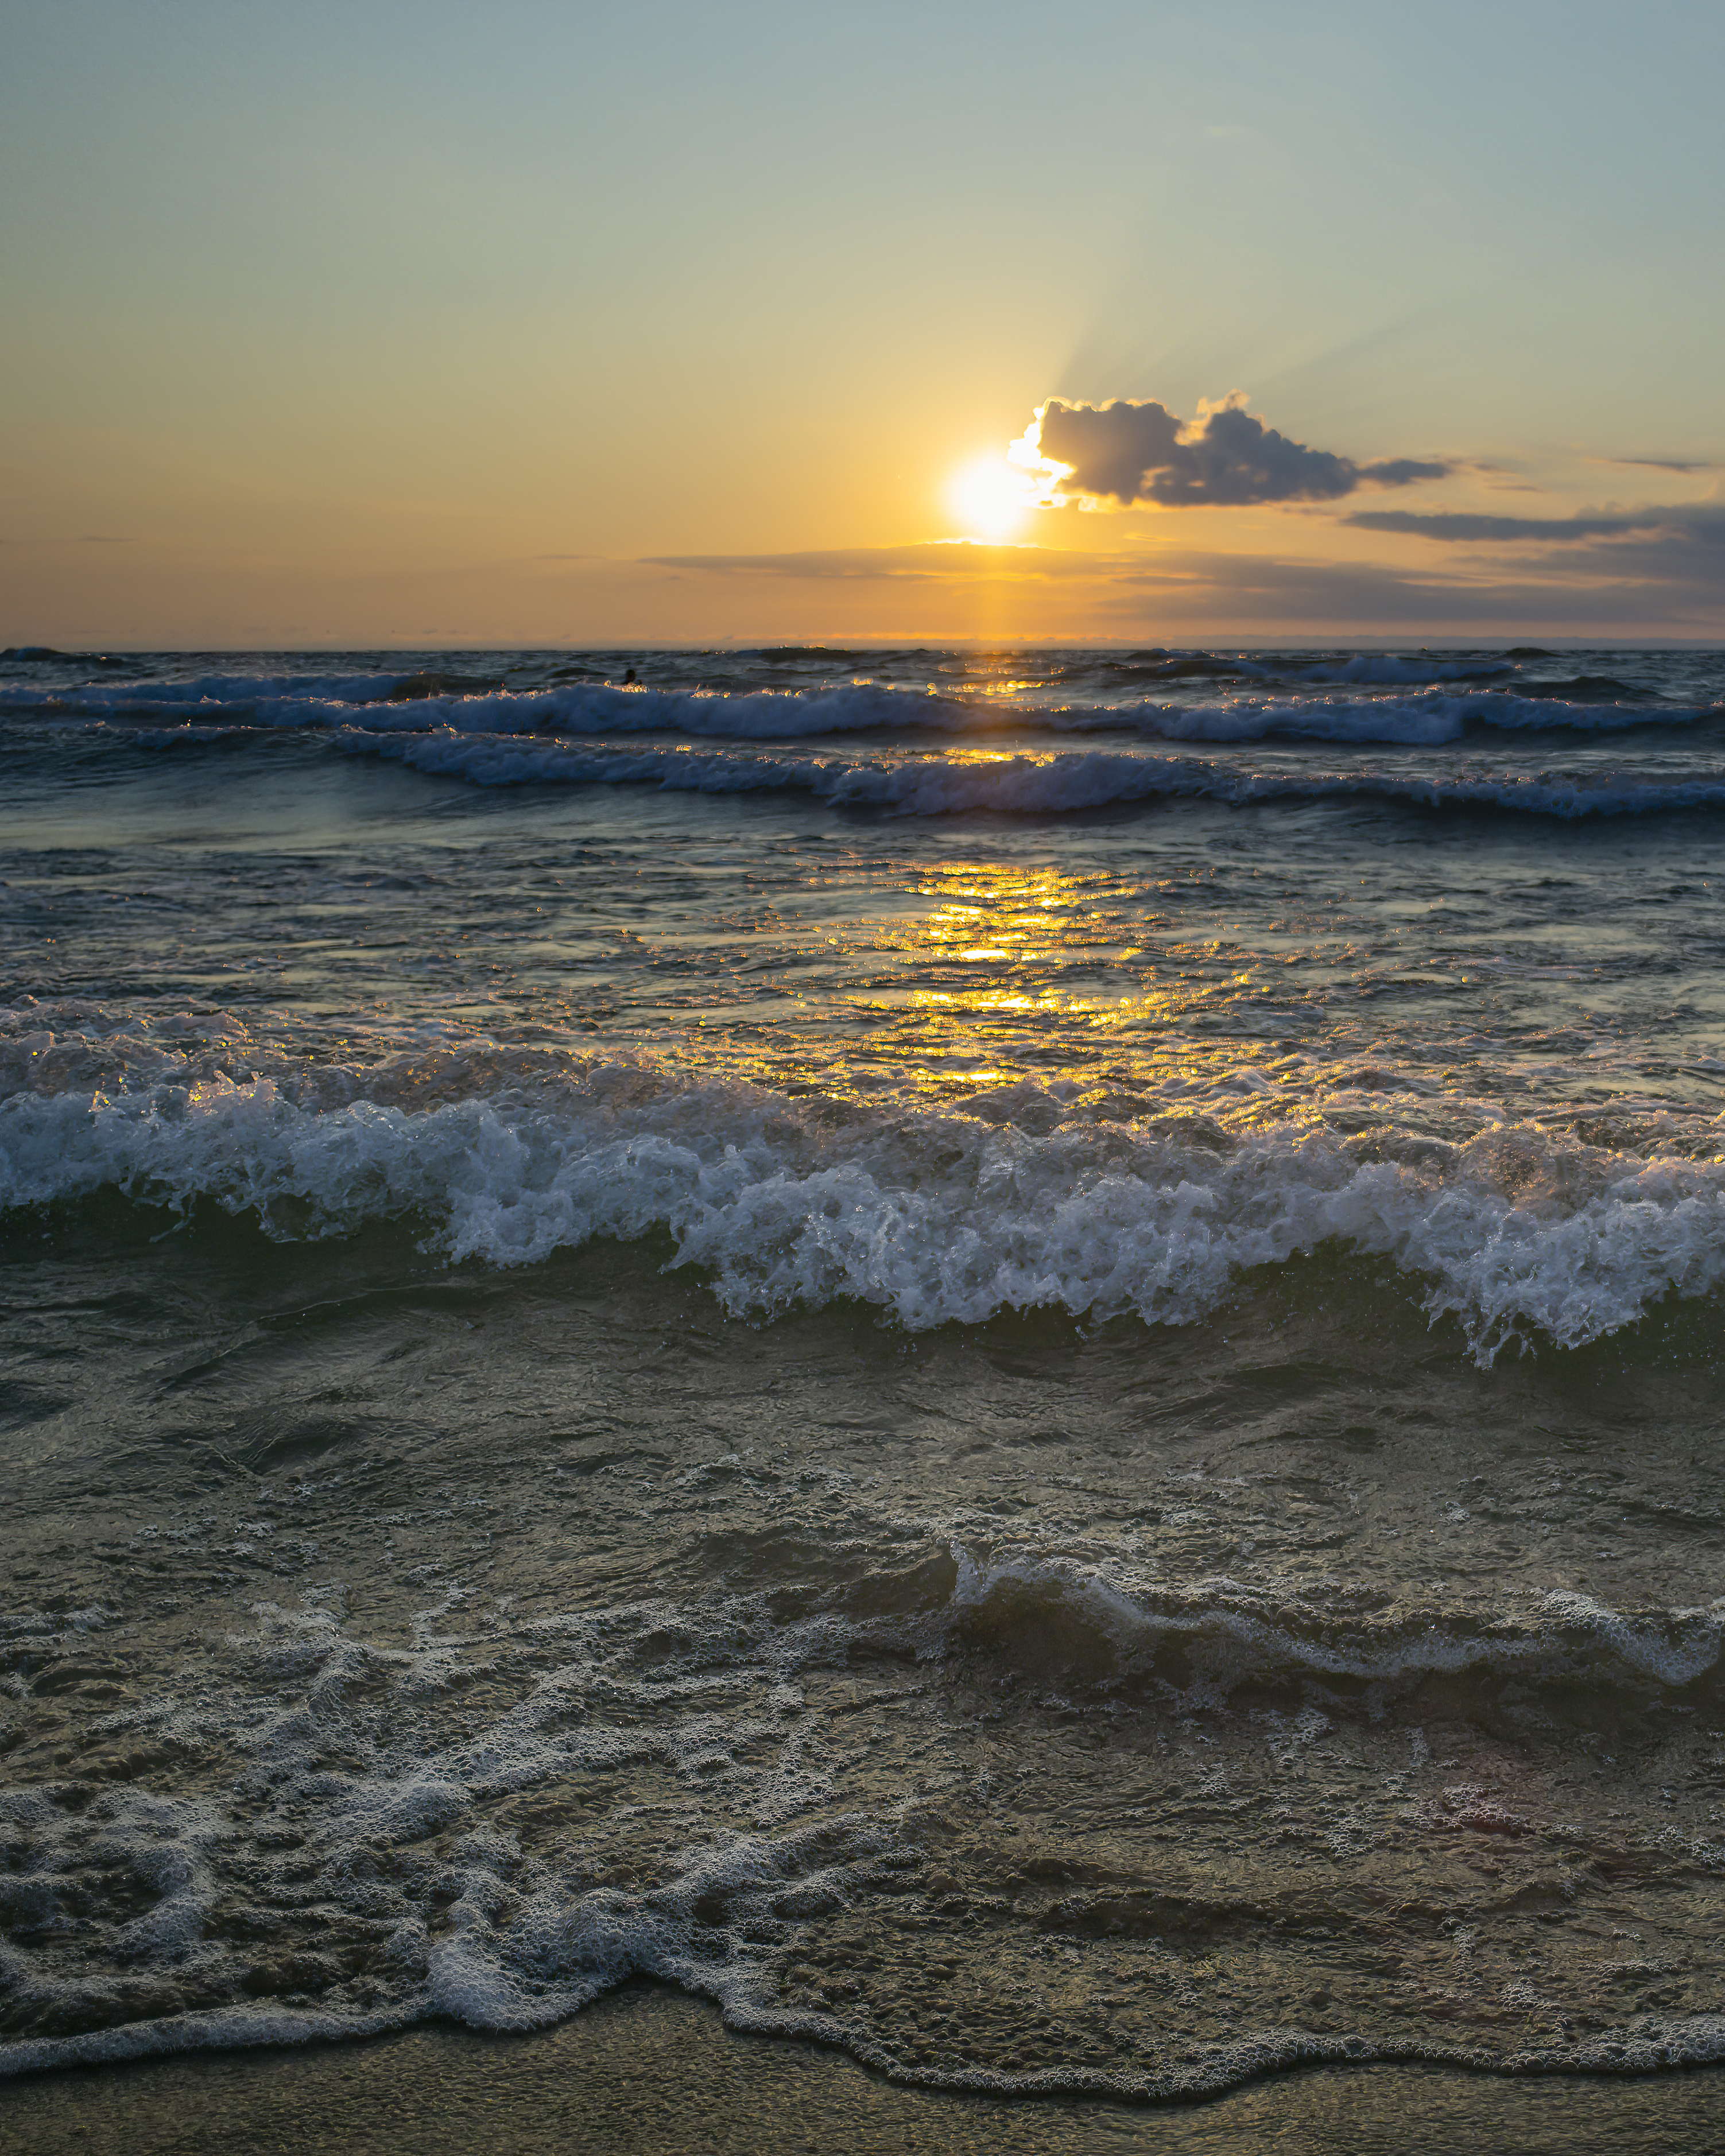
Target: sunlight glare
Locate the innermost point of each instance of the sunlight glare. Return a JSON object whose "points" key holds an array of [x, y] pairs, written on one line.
{"points": [[991, 498]]}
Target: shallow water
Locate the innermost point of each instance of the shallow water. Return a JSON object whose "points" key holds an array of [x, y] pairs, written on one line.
{"points": [[1067, 1437], [644, 2069]]}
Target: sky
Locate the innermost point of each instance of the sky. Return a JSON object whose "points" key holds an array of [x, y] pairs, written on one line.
{"points": [[369, 322]]}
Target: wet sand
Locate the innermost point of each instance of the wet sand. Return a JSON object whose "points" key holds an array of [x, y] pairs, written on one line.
{"points": [[649, 2070]]}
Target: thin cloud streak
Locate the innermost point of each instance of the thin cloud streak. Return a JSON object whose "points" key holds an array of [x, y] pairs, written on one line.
{"points": [[928, 561], [1696, 527], [1238, 588], [1663, 464], [1467, 527], [1662, 582]]}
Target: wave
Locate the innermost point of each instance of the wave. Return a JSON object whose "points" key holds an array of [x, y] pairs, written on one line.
{"points": [[1221, 1635], [1384, 668], [395, 701], [934, 1219], [210, 693], [1429, 721], [1053, 784], [418, 703]]}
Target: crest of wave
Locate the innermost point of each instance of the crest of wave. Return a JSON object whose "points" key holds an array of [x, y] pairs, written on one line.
{"points": [[933, 1217]]}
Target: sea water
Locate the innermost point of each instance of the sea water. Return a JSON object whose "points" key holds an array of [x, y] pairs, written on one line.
{"points": [[1010, 1358]]}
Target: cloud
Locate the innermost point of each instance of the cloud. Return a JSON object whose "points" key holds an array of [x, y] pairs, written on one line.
{"points": [[1656, 580], [1226, 457], [935, 561], [1459, 525], [1699, 524], [1663, 464], [1260, 589]]}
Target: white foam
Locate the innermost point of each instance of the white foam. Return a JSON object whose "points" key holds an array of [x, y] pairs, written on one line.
{"points": [[932, 1218], [520, 1944], [722, 1910]]}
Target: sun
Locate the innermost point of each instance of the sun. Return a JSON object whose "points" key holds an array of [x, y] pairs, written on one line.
{"points": [[990, 499]]}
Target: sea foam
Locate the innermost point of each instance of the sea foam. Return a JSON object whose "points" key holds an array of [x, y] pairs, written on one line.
{"points": [[328, 1750], [932, 1218]]}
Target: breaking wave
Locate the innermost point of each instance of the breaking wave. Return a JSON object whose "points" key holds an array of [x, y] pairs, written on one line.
{"points": [[1028, 784], [933, 1218]]}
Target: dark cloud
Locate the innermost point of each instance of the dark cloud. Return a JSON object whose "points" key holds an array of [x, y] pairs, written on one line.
{"points": [[1657, 568], [1459, 525], [1700, 524], [1226, 457]]}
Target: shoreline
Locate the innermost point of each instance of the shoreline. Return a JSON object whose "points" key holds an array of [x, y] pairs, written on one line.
{"points": [[648, 2067]]}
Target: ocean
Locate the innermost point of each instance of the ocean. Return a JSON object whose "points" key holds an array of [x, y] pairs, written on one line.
{"points": [[1008, 1358]]}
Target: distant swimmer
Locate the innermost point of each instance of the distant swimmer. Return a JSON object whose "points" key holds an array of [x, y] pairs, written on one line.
{"points": [[629, 677]]}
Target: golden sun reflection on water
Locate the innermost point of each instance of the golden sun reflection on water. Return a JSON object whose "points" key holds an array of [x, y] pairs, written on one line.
{"points": [[990, 973], [995, 950], [1093, 985]]}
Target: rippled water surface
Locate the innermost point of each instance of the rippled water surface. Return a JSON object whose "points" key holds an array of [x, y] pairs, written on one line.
{"points": [[1010, 1357]]}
